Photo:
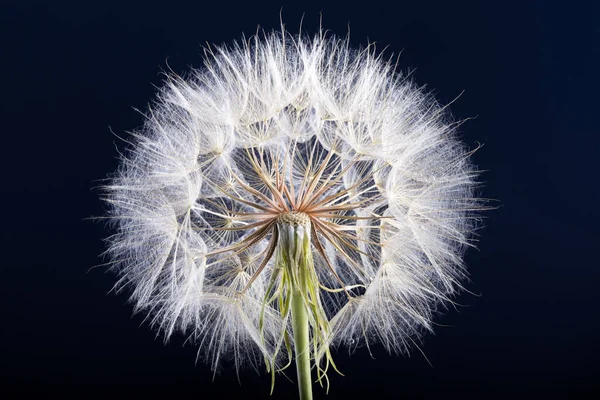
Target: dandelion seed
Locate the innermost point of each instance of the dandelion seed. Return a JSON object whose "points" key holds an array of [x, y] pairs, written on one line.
{"points": [[293, 195]]}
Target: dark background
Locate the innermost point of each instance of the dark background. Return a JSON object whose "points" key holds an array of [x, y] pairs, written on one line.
{"points": [[529, 71]]}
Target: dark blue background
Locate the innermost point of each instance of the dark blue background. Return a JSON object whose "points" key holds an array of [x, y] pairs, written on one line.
{"points": [[530, 75]]}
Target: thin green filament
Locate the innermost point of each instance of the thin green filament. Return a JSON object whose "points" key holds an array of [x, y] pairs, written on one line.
{"points": [[294, 288]]}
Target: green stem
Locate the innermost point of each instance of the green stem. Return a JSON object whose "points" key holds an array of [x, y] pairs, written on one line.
{"points": [[301, 345]]}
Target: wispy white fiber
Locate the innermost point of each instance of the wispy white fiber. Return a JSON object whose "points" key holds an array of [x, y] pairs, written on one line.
{"points": [[180, 201]]}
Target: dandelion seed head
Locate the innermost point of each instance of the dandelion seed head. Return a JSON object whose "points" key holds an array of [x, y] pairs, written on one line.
{"points": [[305, 134]]}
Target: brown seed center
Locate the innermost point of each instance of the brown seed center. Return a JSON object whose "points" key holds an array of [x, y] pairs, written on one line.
{"points": [[294, 218]]}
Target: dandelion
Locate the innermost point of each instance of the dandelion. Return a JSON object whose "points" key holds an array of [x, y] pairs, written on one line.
{"points": [[293, 195]]}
